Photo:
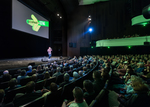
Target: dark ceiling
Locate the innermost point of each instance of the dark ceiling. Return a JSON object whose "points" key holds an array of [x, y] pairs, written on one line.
{"points": [[49, 8]]}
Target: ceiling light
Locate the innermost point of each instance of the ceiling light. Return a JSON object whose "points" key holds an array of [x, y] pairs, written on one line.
{"points": [[57, 14]]}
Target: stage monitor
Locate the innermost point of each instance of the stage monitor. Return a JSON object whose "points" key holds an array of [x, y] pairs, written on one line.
{"points": [[26, 20]]}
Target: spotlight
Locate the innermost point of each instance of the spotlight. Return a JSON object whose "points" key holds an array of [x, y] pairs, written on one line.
{"points": [[90, 29], [89, 15], [89, 19], [57, 14], [60, 17]]}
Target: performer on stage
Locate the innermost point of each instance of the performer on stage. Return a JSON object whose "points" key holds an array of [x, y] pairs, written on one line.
{"points": [[49, 52]]}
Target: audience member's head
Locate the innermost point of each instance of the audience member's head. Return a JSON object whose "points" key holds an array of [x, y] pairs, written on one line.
{"points": [[66, 77], [71, 67], [34, 71], [105, 75], [30, 86], [23, 72], [88, 66], [78, 94], [2, 94], [46, 75], [12, 82], [39, 68], [6, 77], [53, 87], [58, 69], [80, 73], [84, 69], [88, 86], [34, 77], [5, 72], [75, 75], [96, 75], [30, 67]]}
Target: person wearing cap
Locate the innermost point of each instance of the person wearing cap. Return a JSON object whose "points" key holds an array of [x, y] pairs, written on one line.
{"points": [[30, 69], [49, 50]]}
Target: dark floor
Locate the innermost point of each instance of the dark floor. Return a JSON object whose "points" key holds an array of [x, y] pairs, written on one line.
{"points": [[23, 62]]}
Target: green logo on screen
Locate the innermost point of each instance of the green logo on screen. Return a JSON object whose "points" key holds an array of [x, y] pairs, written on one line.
{"points": [[36, 24]]}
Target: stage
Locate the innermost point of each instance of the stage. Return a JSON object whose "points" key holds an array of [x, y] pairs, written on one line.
{"points": [[23, 62]]}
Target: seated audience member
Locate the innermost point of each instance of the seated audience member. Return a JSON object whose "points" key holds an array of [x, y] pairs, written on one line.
{"points": [[34, 78], [57, 72], [122, 71], [88, 67], [39, 68], [23, 72], [84, 70], [12, 85], [80, 73], [91, 65], [75, 76], [46, 75], [89, 95], [29, 69], [6, 76], [66, 80], [147, 64], [2, 97], [98, 83], [140, 69], [34, 71], [53, 88], [46, 70], [105, 75], [139, 98], [31, 94], [71, 68], [78, 99]]}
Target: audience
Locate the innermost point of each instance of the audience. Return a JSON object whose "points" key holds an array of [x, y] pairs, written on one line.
{"points": [[30, 95], [132, 90]]}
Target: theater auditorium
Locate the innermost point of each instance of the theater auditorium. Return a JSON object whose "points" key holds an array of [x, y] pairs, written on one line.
{"points": [[75, 53]]}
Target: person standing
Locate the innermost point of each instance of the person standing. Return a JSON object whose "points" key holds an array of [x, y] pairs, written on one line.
{"points": [[49, 50]]}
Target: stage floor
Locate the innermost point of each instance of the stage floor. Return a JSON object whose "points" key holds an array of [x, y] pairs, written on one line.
{"points": [[23, 62]]}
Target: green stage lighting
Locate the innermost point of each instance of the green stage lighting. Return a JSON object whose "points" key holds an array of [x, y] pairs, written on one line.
{"points": [[129, 47], [108, 47]]}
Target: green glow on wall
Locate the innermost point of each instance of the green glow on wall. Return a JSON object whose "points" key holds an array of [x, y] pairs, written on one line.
{"points": [[129, 47], [92, 46], [36, 24], [149, 9], [108, 47]]}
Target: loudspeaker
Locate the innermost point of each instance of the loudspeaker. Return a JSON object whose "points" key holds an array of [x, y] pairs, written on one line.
{"points": [[146, 43]]}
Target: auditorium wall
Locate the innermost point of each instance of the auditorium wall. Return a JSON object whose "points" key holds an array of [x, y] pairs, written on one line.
{"points": [[109, 20]]}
